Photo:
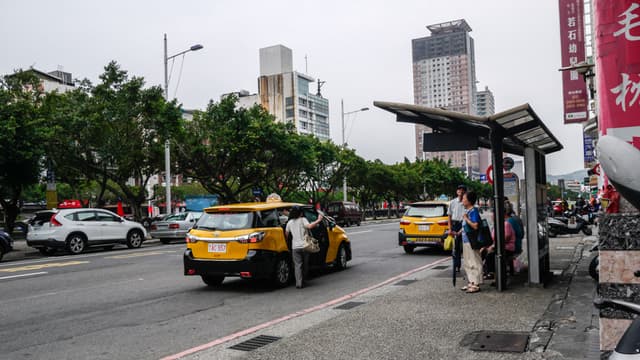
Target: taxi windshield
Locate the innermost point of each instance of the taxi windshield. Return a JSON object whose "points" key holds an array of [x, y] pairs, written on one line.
{"points": [[426, 211], [225, 221]]}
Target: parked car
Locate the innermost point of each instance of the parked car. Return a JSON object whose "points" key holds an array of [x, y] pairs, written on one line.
{"points": [[6, 244], [77, 229], [174, 226], [248, 240], [36, 222], [345, 213], [424, 223]]}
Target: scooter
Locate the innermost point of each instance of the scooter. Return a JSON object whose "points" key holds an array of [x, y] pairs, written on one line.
{"points": [[594, 265], [568, 224], [628, 346]]}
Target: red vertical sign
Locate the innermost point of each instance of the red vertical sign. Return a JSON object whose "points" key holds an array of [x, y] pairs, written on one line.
{"points": [[574, 88], [617, 41]]}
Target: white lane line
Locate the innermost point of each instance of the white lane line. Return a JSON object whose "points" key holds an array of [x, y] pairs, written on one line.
{"points": [[359, 232], [299, 313], [23, 275]]}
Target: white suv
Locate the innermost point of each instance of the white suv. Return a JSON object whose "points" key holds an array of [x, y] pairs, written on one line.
{"points": [[76, 229]]}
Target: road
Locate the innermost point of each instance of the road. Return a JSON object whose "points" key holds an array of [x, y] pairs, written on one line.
{"points": [[136, 304]]}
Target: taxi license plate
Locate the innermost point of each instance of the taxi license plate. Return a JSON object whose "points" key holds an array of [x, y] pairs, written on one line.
{"points": [[423, 227], [217, 248]]}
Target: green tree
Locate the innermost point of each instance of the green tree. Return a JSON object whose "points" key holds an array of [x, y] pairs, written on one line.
{"points": [[231, 150], [23, 131]]}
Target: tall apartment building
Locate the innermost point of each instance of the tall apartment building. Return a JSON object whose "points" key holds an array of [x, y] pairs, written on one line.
{"points": [[287, 95], [444, 76], [485, 106]]}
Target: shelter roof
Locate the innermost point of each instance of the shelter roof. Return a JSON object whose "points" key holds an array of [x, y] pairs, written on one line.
{"points": [[520, 126]]}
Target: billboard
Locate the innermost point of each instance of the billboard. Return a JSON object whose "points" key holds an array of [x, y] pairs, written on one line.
{"points": [[574, 88], [617, 25]]}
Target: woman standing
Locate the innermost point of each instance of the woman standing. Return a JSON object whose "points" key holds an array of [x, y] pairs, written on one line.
{"points": [[296, 227], [472, 260]]}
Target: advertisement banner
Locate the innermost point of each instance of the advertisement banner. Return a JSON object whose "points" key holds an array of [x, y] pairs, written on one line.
{"points": [[588, 151], [617, 41], [574, 88]]}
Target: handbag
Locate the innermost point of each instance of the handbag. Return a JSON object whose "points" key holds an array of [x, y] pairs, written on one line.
{"points": [[448, 243], [311, 244], [480, 237]]}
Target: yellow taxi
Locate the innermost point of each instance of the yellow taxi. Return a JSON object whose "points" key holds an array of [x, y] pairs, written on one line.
{"points": [[248, 241], [424, 223]]}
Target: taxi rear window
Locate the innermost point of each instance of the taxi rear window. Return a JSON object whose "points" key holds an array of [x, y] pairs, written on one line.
{"points": [[426, 211], [225, 221]]}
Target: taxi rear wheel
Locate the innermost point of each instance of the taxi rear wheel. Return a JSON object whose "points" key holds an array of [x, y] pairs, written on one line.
{"points": [[282, 273], [409, 249], [211, 280]]}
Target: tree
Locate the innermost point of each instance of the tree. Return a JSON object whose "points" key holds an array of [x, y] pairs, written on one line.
{"points": [[232, 150], [23, 131], [114, 132]]}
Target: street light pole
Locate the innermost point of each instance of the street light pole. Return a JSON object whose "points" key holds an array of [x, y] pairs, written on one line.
{"points": [[167, 147], [344, 143]]}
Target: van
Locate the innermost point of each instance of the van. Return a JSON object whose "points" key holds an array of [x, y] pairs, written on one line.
{"points": [[345, 213]]}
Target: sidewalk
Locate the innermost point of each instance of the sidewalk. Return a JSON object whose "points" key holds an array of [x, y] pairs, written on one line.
{"points": [[428, 318]]}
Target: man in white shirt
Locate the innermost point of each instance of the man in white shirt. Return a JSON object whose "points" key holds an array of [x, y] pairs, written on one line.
{"points": [[456, 212]]}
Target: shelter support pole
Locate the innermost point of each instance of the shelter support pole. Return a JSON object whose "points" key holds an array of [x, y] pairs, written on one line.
{"points": [[496, 137], [532, 215]]}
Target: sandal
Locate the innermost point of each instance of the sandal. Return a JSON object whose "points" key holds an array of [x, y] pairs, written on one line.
{"points": [[473, 289]]}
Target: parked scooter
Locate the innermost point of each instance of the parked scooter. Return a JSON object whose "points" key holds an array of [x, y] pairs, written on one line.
{"points": [[594, 265], [628, 346], [570, 223]]}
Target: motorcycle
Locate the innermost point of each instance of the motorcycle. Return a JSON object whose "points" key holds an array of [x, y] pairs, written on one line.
{"points": [[594, 265], [628, 347], [587, 214], [570, 223]]}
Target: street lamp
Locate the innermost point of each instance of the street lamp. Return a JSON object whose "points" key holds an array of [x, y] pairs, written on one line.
{"points": [[344, 144], [167, 148]]}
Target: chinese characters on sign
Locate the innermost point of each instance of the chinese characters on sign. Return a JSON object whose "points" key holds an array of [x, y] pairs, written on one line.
{"points": [[574, 89], [617, 25]]}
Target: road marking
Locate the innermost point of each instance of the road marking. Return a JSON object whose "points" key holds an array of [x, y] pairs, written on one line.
{"points": [[298, 313], [23, 275], [134, 255], [359, 232], [43, 266]]}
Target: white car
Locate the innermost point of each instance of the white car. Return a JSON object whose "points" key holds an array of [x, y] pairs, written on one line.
{"points": [[77, 229]]}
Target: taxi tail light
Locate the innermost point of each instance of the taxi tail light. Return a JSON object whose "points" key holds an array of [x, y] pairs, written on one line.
{"points": [[251, 238], [405, 222], [245, 274], [174, 226], [54, 222], [443, 223], [191, 271], [190, 239]]}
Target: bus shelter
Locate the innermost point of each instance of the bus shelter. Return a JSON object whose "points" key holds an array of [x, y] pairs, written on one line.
{"points": [[517, 131]]}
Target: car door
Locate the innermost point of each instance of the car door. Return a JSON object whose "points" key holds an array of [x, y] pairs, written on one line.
{"points": [[320, 233], [86, 221], [112, 226]]}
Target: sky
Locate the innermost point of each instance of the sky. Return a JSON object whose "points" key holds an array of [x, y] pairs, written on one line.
{"points": [[362, 49]]}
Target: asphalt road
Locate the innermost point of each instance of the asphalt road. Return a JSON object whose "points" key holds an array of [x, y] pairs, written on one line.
{"points": [[136, 304]]}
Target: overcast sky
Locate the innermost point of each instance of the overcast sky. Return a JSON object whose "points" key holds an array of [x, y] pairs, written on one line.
{"points": [[362, 49]]}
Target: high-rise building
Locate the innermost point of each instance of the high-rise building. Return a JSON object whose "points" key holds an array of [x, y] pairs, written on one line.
{"points": [[485, 106], [444, 76], [287, 95]]}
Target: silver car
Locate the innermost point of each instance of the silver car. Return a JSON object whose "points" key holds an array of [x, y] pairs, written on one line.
{"points": [[174, 226]]}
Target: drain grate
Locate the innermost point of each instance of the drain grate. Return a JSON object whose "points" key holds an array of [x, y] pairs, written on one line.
{"points": [[349, 305], [404, 282], [502, 341], [254, 343], [441, 267]]}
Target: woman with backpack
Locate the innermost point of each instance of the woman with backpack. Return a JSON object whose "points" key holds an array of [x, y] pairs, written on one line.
{"points": [[472, 260]]}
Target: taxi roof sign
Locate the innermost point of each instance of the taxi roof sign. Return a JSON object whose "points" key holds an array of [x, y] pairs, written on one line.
{"points": [[273, 198]]}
